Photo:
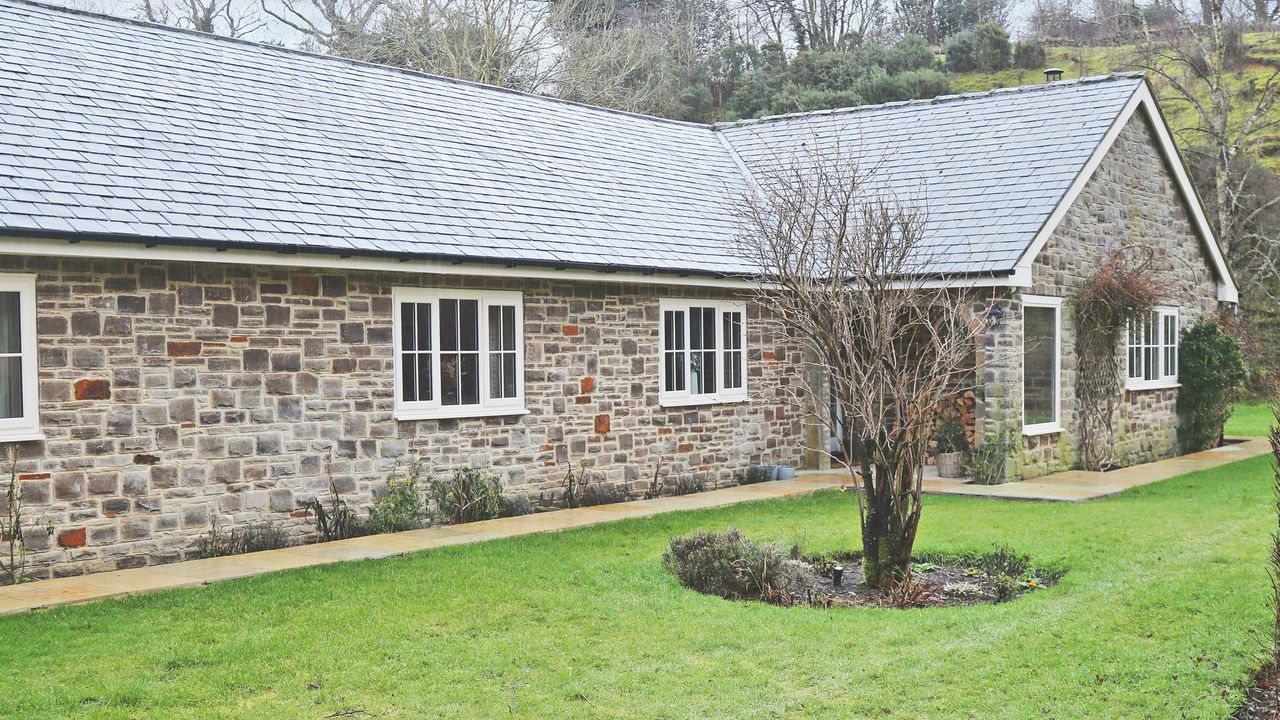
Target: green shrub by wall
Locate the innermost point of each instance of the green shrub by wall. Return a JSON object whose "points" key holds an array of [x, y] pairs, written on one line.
{"points": [[1211, 370]]}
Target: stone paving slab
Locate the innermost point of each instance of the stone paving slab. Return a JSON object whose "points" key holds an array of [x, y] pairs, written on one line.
{"points": [[1073, 486]]}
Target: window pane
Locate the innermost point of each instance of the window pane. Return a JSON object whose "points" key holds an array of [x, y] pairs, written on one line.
{"points": [[470, 377], [1151, 362], [509, 375], [448, 376], [695, 329], [11, 387], [424, 376], [424, 326], [495, 327], [10, 322], [708, 328], [1039, 365], [448, 327], [408, 377], [674, 362], [733, 369], [407, 327], [469, 324], [508, 327]]}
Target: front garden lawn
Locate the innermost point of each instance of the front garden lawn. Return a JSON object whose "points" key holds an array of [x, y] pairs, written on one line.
{"points": [[1160, 615], [1250, 419]]}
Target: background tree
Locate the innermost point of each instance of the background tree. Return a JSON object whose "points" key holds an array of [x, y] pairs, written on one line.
{"points": [[508, 43], [233, 18], [839, 260]]}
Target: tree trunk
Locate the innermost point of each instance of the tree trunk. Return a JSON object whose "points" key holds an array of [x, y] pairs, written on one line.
{"points": [[887, 539]]}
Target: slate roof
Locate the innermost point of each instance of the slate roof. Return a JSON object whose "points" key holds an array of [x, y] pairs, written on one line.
{"points": [[988, 167], [119, 129]]}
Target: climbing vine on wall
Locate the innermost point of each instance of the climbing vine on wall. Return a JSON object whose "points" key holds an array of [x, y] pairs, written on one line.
{"points": [[1124, 289]]}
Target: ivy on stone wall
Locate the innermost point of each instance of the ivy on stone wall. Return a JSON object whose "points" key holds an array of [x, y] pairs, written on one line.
{"points": [[1124, 290]]}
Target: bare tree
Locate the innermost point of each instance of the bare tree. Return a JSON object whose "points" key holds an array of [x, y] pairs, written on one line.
{"points": [[833, 24], [233, 18], [340, 27], [843, 265], [497, 42], [1196, 58]]}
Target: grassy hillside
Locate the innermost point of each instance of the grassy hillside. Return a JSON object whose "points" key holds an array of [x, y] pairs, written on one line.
{"points": [[1264, 58]]}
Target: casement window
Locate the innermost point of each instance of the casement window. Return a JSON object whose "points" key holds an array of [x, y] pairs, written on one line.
{"points": [[1041, 365], [19, 381], [1153, 351], [458, 354], [703, 352]]}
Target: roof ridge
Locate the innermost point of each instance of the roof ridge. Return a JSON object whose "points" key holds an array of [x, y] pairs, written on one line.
{"points": [[1092, 79], [340, 59]]}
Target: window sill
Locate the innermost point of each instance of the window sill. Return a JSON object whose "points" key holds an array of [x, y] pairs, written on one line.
{"points": [[21, 436], [1153, 385], [698, 401], [1041, 429], [456, 413]]}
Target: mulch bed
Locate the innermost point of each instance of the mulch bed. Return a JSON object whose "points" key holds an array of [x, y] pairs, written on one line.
{"points": [[1262, 701], [931, 585]]}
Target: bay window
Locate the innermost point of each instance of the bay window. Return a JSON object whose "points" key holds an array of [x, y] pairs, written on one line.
{"points": [[1041, 364], [19, 381], [703, 352], [458, 354], [1152, 358]]}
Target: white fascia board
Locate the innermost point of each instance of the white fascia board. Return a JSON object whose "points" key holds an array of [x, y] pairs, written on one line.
{"points": [[1141, 98], [139, 251]]}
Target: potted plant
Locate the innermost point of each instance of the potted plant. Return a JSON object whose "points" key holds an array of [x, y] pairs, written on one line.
{"points": [[951, 442]]}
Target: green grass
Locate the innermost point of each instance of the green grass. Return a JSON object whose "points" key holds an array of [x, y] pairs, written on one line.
{"points": [[1160, 615], [1250, 420]]}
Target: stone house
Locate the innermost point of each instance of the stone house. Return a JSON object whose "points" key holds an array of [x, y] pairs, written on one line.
{"points": [[231, 274]]}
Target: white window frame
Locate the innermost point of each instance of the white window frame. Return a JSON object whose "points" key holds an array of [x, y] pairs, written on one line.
{"points": [[27, 427], [685, 398], [432, 409], [1164, 379], [1055, 303]]}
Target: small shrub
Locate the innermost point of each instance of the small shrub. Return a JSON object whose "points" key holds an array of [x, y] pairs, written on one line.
{"points": [[249, 538], [602, 494], [400, 507], [907, 593], [729, 565], [515, 505], [1211, 370], [469, 496], [336, 520], [986, 462], [1029, 54], [759, 474], [690, 484], [951, 437]]}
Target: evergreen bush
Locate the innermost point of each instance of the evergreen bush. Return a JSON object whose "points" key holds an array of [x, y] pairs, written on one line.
{"points": [[1211, 370]]}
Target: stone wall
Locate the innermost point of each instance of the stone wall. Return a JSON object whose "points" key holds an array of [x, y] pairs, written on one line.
{"points": [[1131, 201], [172, 394]]}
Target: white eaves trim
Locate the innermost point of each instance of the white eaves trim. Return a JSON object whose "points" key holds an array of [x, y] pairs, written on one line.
{"points": [[141, 250], [135, 250], [1142, 98]]}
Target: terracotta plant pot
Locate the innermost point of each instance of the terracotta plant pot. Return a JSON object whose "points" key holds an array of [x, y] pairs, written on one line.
{"points": [[949, 465]]}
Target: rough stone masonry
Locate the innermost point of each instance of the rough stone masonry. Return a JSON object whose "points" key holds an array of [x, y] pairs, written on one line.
{"points": [[172, 394]]}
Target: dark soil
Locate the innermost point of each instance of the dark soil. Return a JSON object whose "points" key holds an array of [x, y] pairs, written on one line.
{"points": [[940, 584], [946, 585], [1262, 700]]}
